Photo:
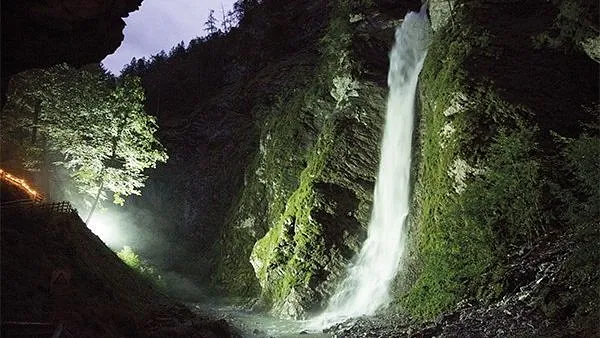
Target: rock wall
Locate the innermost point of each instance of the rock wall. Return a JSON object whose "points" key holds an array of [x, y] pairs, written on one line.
{"points": [[306, 200], [275, 133], [211, 102], [41, 34], [495, 106]]}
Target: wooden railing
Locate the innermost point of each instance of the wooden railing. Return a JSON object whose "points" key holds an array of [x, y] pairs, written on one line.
{"points": [[54, 208], [58, 207]]}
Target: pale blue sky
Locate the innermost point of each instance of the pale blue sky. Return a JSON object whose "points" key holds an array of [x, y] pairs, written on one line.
{"points": [[161, 24]]}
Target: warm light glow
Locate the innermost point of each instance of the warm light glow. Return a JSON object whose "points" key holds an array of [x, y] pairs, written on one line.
{"points": [[20, 183]]}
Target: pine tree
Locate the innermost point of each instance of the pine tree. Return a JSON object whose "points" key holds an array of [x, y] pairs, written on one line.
{"points": [[211, 23]]}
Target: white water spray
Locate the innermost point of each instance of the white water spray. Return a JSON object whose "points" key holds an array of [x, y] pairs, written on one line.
{"points": [[366, 287]]}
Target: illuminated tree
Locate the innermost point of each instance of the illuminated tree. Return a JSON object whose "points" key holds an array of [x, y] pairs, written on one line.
{"points": [[90, 124]]}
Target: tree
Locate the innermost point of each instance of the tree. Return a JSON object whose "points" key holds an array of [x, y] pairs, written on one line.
{"points": [[241, 8], [93, 126], [229, 19], [177, 50], [211, 23], [159, 58]]}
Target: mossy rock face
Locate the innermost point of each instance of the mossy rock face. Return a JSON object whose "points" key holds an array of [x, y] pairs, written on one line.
{"points": [[322, 224], [440, 12], [305, 206], [491, 99]]}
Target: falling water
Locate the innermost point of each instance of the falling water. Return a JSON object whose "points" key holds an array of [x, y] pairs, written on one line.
{"points": [[366, 287]]}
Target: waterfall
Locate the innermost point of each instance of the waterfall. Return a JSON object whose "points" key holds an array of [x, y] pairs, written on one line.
{"points": [[366, 287]]}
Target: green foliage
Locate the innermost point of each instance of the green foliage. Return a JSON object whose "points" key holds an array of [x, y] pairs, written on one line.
{"points": [[96, 130], [579, 194], [211, 23], [307, 192], [578, 211], [582, 159], [506, 197], [573, 27], [581, 198], [129, 257], [287, 257], [273, 177], [478, 179], [143, 268]]}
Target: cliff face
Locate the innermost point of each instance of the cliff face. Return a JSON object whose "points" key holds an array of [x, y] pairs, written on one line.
{"points": [[305, 204], [41, 34], [279, 149], [211, 102], [274, 125], [492, 98], [498, 173]]}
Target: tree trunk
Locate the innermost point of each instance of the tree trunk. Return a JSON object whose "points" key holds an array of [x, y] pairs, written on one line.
{"points": [[46, 172], [36, 120], [115, 141], [97, 197]]}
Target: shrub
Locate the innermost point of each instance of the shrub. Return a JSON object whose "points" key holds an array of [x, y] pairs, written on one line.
{"points": [[143, 268]]}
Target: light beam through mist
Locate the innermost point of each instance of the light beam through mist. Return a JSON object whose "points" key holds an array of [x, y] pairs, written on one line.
{"points": [[366, 287], [106, 226]]}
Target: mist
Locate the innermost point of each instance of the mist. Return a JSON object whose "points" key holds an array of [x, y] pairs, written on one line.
{"points": [[151, 237]]}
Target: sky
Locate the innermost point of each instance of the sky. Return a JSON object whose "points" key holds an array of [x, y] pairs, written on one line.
{"points": [[160, 25]]}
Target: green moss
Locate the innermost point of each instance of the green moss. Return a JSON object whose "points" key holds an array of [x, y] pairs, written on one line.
{"points": [[477, 188], [286, 135], [289, 254], [304, 194]]}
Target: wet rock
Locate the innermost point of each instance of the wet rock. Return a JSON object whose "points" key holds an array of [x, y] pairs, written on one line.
{"points": [[521, 312], [292, 307]]}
